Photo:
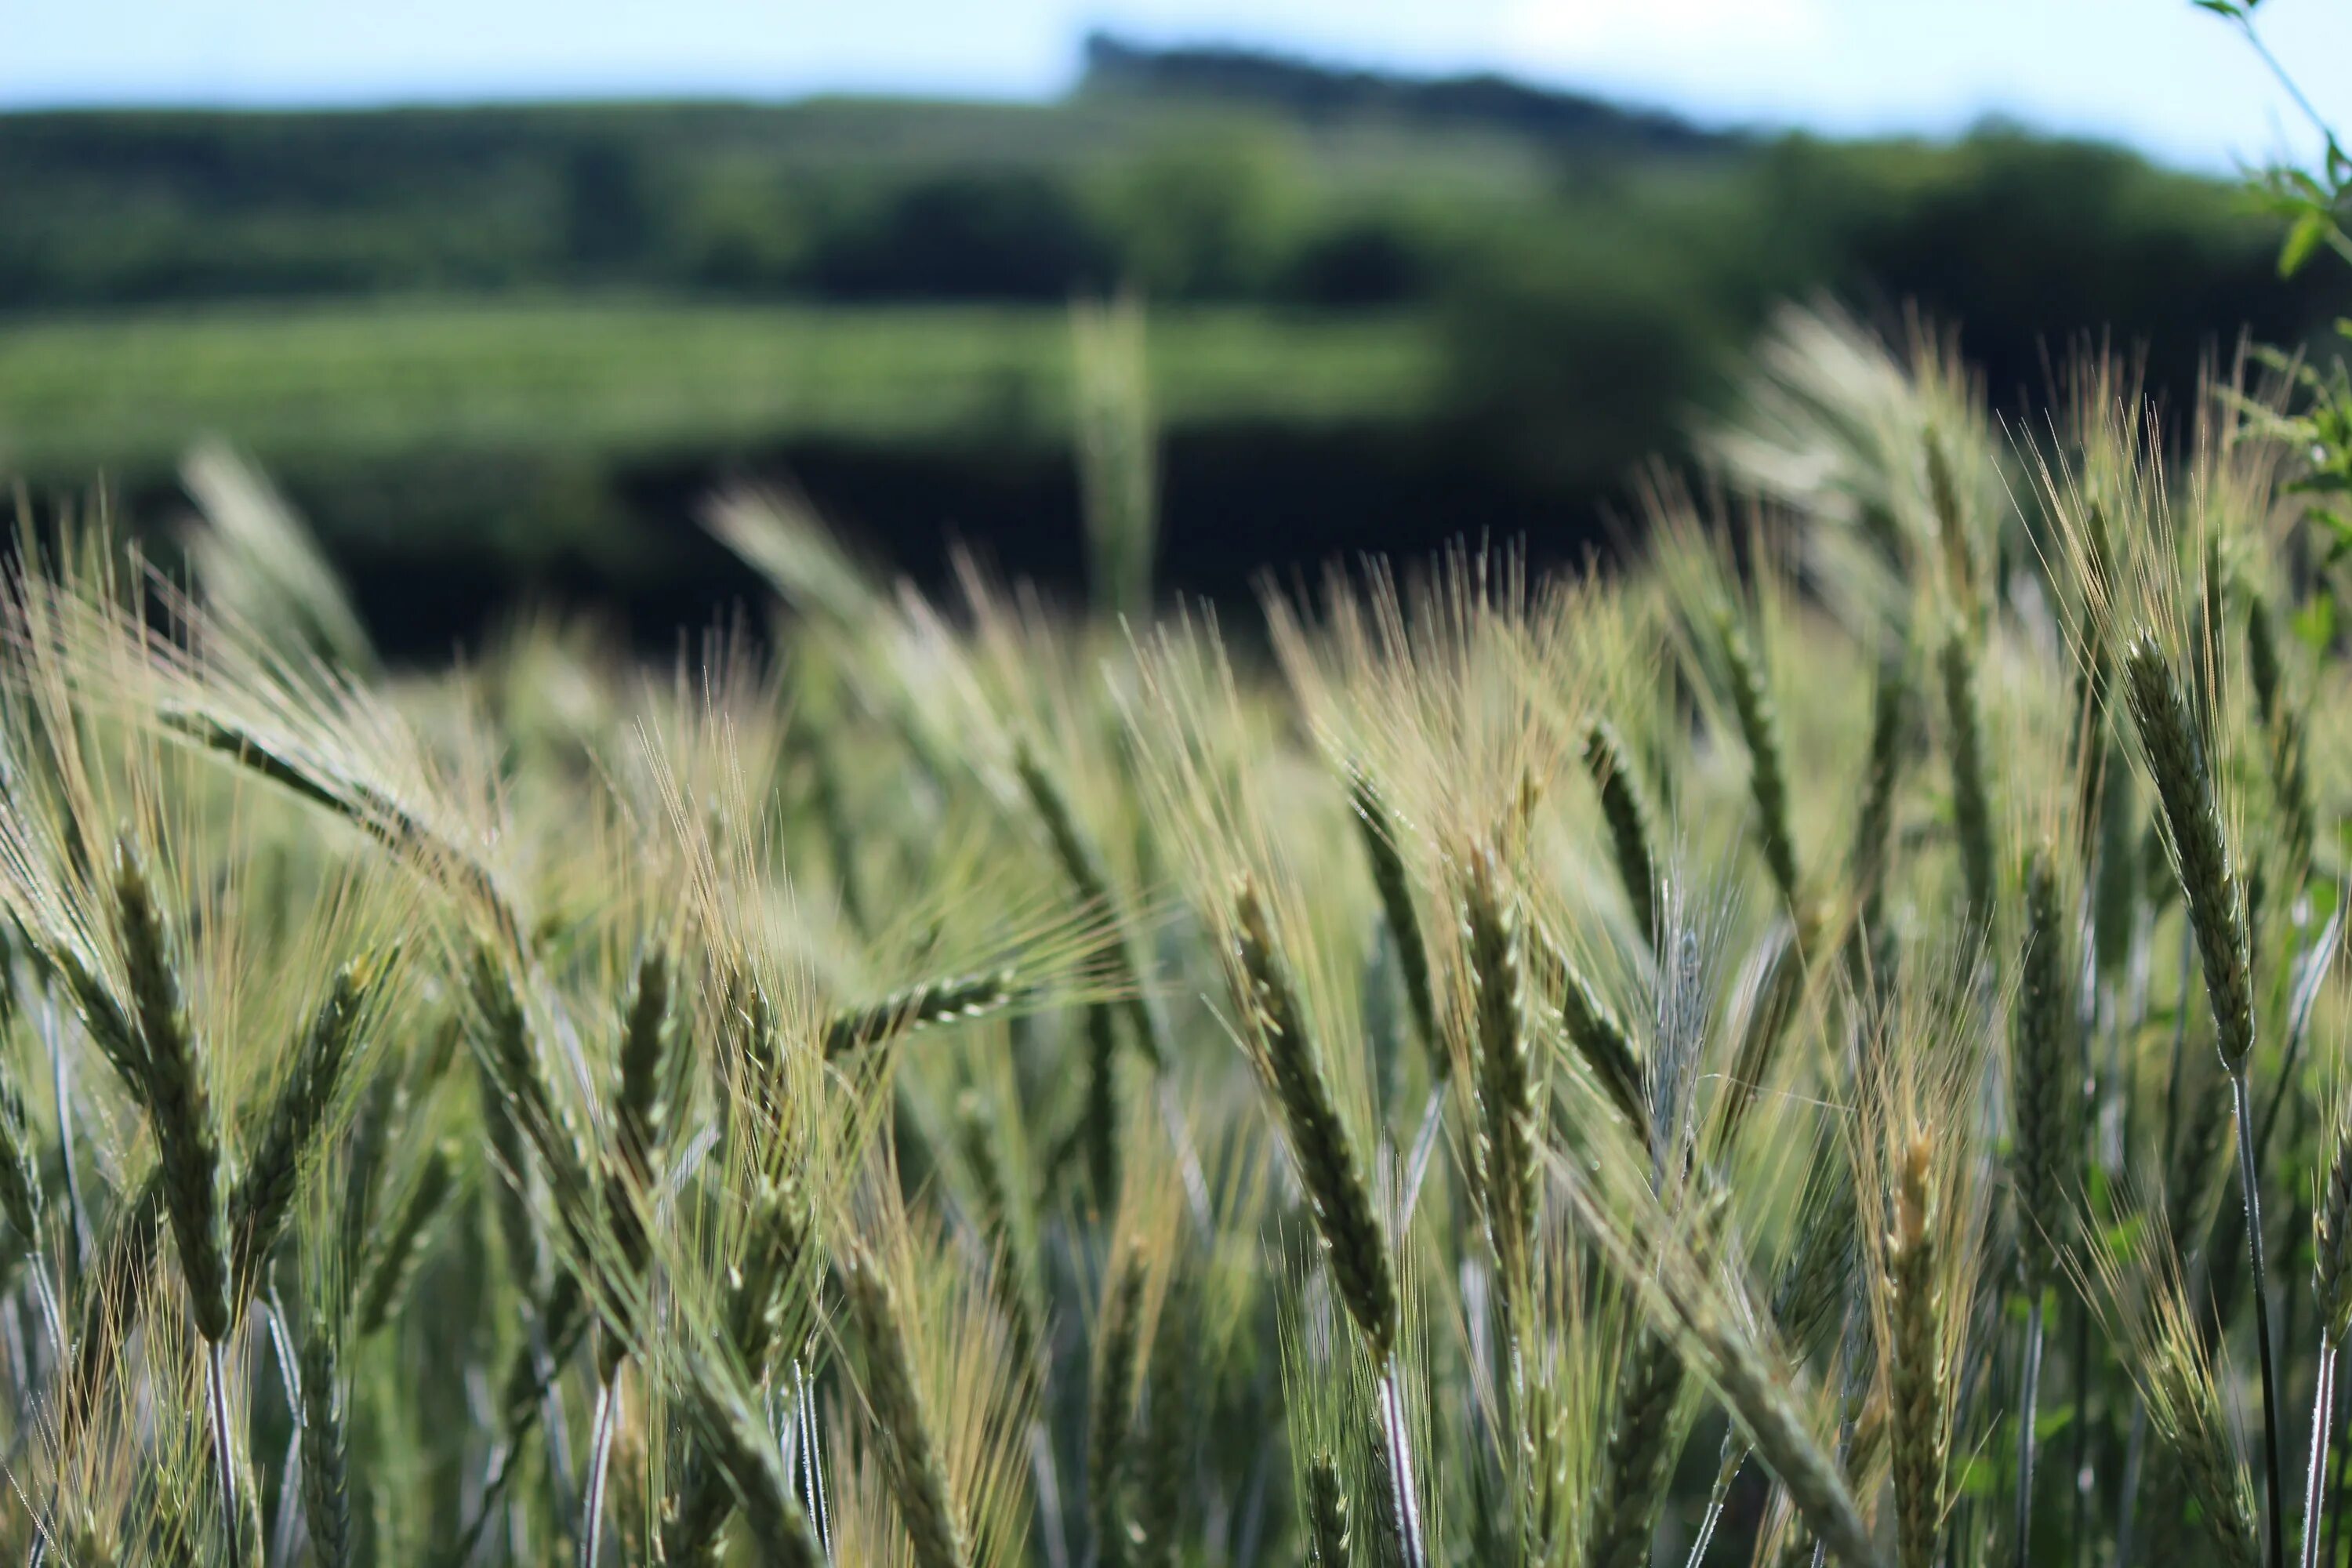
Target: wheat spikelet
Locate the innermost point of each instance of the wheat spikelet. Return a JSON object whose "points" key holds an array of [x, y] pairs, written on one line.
{"points": [[1714, 1332]]}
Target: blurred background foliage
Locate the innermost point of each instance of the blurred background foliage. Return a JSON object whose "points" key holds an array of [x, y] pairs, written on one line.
{"points": [[502, 351]]}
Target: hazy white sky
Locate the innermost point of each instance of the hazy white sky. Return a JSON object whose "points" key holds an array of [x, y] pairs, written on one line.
{"points": [[2156, 73]]}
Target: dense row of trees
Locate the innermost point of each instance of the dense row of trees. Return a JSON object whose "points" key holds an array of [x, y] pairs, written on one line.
{"points": [[1593, 269], [1191, 174]]}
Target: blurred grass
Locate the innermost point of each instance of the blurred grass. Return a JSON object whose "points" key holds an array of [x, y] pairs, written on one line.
{"points": [[309, 383]]}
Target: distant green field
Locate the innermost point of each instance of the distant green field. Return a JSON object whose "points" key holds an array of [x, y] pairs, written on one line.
{"points": [[128, 391]]}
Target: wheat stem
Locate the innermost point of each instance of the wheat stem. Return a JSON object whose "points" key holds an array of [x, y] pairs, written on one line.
{"points": [[2250, 1189], [1396, 1456], [2029, 1388], [600, 1468], [2323, 1410]]}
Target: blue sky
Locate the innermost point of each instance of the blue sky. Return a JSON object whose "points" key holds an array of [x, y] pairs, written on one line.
{"points": [[2154, 73]]}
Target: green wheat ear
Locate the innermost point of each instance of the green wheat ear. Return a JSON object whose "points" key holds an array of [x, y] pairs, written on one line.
{"points": [[391, 1258], [1110, 1419], [640, 1116], [1380, 833], [2042, 1032], [1638, 1467], [1916, 1390], [1627, 812], [1082, 863], [1768, 772], [1873, 829], [910, 1451], [926, 1004], [1171, 1377], [1326, 1511], [298, 1118], [1601, 1040], [326, 1484], [179, 1104], [1971, 790], [1507, 1079], [1328, 1168], [2194, 822], [775, 1240]]}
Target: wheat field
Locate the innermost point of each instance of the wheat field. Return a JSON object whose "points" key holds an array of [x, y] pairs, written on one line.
{"points": [[1823, 1043]]}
